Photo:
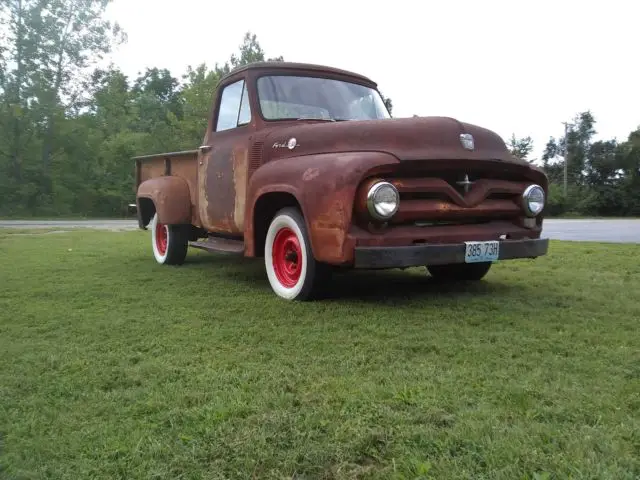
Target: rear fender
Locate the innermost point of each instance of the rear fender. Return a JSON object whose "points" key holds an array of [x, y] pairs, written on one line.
{"points": [[170, 197]]}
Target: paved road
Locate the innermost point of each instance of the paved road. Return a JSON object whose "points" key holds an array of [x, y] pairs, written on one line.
{"points": [[627, 231], [70, 224], [619, 231]]}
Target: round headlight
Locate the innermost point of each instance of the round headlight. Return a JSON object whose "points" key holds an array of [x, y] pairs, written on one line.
{"points": [[533, 200], [383, 200]]}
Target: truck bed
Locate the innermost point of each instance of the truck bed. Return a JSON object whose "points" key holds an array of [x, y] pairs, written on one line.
{"points": [[181, 164]]}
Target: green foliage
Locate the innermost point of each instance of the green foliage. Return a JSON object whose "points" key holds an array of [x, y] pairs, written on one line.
{"points": [[602, 176], [556, 203], [520, 147]]}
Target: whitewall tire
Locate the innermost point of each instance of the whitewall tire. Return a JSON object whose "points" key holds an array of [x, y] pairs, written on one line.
{"points": [[293, 272], [169, 242]]}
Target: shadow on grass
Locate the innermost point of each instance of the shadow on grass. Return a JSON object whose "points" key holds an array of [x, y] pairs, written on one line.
{"points": [[374, 286], [379, 285]]}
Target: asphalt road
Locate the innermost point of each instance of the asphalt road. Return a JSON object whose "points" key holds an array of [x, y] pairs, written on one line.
{"points": [[71, 224], [619, 231]]}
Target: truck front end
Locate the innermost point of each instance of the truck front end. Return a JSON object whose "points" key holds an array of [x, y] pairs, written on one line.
{"points": [[450, 212]]}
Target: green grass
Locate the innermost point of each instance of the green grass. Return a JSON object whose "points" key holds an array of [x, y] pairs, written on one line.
{"points": [[112, 366]]}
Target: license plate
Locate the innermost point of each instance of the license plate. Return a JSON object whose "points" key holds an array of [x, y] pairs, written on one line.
{"points": [[481, 251]]}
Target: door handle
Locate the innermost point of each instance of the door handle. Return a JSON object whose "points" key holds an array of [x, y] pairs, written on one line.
{"points": [[204, 148]]}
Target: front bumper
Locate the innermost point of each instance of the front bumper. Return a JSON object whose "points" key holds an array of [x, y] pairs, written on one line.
{"points": [[440, 254]]}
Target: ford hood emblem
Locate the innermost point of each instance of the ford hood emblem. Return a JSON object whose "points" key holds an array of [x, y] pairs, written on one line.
{"points": [[466, 139]]}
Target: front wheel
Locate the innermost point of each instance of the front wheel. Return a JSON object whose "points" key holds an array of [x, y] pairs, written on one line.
{"points": [[169, 242], [461, 272], [293, 272]]}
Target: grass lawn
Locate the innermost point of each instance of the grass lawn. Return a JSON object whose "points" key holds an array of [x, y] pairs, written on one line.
{"points": [[112, 366]]}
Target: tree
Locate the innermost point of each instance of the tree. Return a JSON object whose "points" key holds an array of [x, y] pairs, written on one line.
{"points": [[250, 51], [628, 159], [628, 163], [602, 175], [46, 51], [602, 165], [520, 147], [18, 48], [197, 94], [73, 36], [577, 141]]}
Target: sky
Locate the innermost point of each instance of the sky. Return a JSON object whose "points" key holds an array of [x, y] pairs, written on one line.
{"points": [[516, 66]]}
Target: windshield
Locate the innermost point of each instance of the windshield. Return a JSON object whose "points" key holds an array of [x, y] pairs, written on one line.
{"points": [[288, 97]]}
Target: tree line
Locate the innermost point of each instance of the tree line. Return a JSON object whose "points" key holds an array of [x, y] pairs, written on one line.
{"points": [[68, 129]]}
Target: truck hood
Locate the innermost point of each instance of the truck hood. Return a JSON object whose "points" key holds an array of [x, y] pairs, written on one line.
{"points": [[418, 138]]}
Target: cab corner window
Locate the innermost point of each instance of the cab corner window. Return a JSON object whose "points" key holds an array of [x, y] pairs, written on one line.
{"points": [[234, 107]]}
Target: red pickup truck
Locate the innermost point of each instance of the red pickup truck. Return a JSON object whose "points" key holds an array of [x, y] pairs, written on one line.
{"points": [[303, 166]]}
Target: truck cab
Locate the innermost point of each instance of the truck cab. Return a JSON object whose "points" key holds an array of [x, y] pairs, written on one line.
{"points": [[303, 166]]}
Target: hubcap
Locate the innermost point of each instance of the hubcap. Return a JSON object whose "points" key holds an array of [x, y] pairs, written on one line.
{"points": [[161, 238], [287, 257]]}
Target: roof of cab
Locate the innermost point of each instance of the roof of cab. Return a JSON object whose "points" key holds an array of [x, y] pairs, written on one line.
{"points": [[296, 66]]}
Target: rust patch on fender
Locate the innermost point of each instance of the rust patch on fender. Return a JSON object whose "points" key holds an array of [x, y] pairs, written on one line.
{"points": [[171, 198], [329, 227], [310, 173]]}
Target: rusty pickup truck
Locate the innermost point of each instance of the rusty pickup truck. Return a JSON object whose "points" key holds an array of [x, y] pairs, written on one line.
{"points": [[302, 165]]}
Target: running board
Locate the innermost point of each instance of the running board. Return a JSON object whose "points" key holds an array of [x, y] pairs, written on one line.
{"points": [[220, 245]]}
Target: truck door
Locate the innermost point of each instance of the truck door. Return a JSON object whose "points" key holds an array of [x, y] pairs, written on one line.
{"points": [[222, 162]]}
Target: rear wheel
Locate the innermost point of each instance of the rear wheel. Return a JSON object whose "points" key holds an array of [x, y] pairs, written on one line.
{"points": [[462, 272], [293, 272], [169, 242]]}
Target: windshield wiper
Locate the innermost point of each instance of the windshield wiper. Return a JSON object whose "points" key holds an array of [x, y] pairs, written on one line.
{"points": [[328, 119], [314, 118]]}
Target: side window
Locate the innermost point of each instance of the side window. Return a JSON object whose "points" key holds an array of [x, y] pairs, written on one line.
{"points": [[230, 106], [245, 112]]}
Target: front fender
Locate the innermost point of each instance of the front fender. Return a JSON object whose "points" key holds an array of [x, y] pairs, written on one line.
{"points": [[171, 198], [324, 186]]}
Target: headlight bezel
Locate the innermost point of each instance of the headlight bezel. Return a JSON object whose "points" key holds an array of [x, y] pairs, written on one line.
{"points": [[371, 205], [525, 200]]}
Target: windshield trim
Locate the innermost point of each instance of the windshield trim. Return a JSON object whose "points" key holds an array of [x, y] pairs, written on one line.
{"points": [[328, 76]]}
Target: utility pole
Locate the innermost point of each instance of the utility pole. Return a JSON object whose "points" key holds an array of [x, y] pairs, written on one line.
{"points": [[566, 154]]}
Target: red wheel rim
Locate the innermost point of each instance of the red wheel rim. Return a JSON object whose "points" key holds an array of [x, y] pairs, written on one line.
{"points": [[287, 257], [161, 238]]}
